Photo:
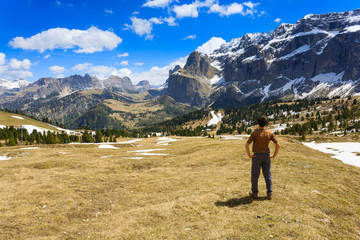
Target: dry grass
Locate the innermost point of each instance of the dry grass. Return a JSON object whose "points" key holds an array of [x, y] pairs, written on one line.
{"points": [[198, 191], [7, 120]]}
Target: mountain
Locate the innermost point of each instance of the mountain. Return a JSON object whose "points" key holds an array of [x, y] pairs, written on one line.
{"points": [[85, 100], [318, 56], [8, 87]]}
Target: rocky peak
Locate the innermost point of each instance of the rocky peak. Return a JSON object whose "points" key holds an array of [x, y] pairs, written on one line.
{"points": [[199, 65]]}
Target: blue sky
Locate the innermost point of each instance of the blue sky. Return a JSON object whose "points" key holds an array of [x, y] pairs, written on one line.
{"points": [[138, 38]]}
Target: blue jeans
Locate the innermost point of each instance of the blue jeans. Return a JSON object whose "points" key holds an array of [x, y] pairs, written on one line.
{"points": [[261, 161]]}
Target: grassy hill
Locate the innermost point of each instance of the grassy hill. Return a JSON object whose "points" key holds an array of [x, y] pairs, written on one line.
{"points": [[17, 120], [198, 191]]}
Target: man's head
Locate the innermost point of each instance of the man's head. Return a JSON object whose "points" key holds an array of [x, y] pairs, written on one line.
{"points": [[262, 121]]}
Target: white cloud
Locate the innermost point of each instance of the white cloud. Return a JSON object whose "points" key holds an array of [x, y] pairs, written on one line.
{"points": [[124, 63], [135, 13], [141, 27], [109, 11], [138, 63], [15, 69], [251, 5], [2, 59], [57, 69], [15, 64], [192, 37], [58, 3], [211, 45], [157, 75], [234, 8], [82, 67], [170, 21], [102, 72], [123, 55], [47, 56], [186, 10], [156, 20], [83, 41], [277, 20], [157, 3]]}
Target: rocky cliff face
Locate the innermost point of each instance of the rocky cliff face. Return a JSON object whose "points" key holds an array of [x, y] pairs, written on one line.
{"points": [[191, 84], [318, 56]]}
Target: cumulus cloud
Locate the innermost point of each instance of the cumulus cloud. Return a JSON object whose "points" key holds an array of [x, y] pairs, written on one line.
{"points": [[157, 75], [15, 69], [15, 64], [83, 41], [124, 63], [57, 69], [2, 59], [234, 8], [108, 11], [170, 21], [102, 72], [138, 63], [123, 55], [192, 37], [47, 56], [186, 10], [157, 3], [277, 20], [144, 27], [141, 27]]}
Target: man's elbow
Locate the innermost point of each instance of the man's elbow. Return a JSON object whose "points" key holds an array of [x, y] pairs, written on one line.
{"points": [[277, 145]]}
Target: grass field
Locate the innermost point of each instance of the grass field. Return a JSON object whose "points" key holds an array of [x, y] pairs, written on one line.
{"points": [[8, 119], [198, 191]]}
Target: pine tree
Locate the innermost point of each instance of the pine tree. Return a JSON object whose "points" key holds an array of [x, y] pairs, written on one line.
{"points": [[98, 136], [11, 142]]}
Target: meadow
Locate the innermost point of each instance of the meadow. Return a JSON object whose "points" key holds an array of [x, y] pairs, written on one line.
{"points": [[192, 188]]}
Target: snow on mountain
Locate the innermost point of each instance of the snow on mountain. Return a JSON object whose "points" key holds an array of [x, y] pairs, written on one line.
{"points": [[20, 83], [211, 45], [318, 56]]}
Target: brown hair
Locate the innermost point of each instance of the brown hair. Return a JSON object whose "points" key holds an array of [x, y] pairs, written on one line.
{"points": [[262, 121]]}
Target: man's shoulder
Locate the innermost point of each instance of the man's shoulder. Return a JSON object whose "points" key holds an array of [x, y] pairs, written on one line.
{"points": [[269, 131]]}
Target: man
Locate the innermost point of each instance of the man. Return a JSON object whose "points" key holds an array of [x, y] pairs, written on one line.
{"points": [[261, 158]]}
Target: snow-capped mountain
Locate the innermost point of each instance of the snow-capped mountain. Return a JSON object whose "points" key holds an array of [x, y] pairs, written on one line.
{"points": [[318, 56], [12, 86]]}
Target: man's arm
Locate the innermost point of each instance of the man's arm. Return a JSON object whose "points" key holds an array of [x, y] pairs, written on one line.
{"points": [[277, 148], [248, 150]]}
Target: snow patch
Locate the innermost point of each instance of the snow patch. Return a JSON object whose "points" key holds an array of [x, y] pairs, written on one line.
{"points": [[301, 49], [31, 128], [354, 28], [328, 77], [4, 158], [30, 148], [107, 146], [164, 141], [347, 152], [235, 137], [21, 118], [215, 118], [106, 156]]}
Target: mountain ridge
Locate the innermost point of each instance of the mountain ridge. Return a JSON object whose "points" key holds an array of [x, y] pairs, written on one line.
{"points": [[289, 62]]}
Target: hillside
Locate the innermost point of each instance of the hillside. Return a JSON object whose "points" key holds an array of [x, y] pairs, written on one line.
{"points": [[196, 188], [17, 120]]}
